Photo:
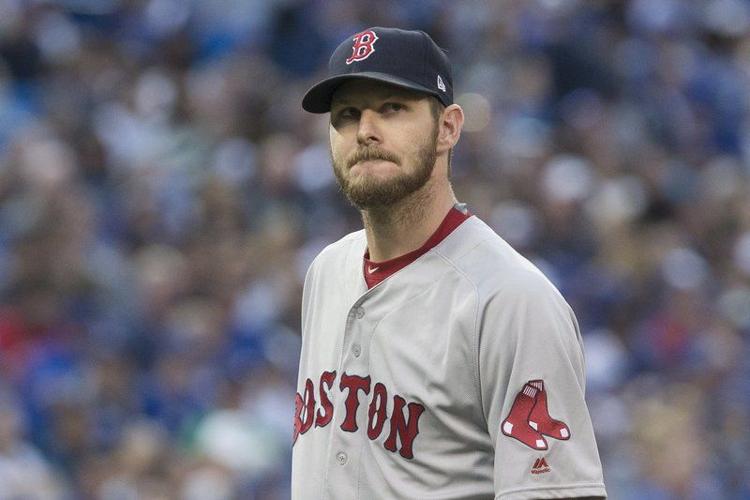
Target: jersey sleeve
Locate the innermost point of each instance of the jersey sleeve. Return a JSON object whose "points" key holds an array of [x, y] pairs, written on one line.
{"points": [[531, 371], [307, 297]]}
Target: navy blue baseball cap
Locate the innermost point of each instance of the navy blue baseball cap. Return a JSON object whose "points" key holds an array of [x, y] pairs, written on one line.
{"points": [[407, 59]]}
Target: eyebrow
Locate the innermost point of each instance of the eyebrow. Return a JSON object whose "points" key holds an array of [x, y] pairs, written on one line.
{"points": [[340, 102]]}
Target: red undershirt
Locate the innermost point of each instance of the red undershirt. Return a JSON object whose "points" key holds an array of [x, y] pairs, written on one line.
{"points": [[375, 272]]}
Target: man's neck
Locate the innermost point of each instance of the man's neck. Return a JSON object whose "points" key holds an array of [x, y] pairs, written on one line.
{"points": [[402, 227]]}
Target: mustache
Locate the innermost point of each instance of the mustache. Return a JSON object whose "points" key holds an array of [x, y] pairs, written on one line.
{"points": [[371, 153]]}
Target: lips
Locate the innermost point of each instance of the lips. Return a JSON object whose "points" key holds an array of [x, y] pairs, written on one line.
{"points": [[369, 160], [365, 160], [363, 156]]}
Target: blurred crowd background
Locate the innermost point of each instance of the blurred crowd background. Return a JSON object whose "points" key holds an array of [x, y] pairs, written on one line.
{"points": [[162, 194]]}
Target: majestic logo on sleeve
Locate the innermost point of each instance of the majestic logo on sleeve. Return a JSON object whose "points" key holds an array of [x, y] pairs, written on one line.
{"points": [[402, 429], [364, 46], [540, 466], [529, 420]]}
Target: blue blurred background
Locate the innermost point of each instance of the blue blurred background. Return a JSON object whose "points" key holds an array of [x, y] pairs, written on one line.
{"points": [[162, 194]]}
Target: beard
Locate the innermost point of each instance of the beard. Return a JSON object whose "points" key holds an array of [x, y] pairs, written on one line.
{"points": [[369, 192]]}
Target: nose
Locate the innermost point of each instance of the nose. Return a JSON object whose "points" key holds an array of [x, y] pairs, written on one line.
{"points": [[368, 131]]}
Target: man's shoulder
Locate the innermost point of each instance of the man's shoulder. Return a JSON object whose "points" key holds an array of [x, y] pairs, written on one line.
{"points": [[491, 263], [337, 253], [479, 251]]}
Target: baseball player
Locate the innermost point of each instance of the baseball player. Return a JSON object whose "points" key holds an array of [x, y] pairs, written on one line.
{"points": [[437, 362]]}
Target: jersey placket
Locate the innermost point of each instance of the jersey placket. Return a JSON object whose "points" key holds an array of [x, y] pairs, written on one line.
{"points": [[348, 438]]}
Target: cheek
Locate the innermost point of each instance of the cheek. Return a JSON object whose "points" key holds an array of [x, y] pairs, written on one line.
{"points": [[418, 142], [338, 157], [337, 147]]}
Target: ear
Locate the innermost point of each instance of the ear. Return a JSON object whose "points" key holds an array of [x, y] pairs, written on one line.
{"points": [[450, 125]]}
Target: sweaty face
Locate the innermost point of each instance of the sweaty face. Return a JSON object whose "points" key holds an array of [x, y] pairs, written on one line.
{"points": [[383, 142]]}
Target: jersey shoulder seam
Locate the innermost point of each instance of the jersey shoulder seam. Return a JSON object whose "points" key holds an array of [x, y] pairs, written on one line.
{"points": [[481, 295], [475, 328]]}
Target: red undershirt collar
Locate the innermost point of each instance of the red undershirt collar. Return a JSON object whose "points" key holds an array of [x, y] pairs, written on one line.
{"points": [[375, 272]]}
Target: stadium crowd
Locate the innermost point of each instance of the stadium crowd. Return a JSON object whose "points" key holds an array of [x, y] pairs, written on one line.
{"points": [[162, 194]]}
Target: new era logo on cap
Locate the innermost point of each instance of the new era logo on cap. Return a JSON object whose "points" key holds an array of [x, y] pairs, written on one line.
{"points": [[406, 59]]}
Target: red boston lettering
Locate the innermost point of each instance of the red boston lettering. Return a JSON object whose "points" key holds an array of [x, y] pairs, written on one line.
{"points": [[406, 432], [323, 419], [308, 407], [403, 429], [297, 416], [364, 46], [377, 411], [354, 383]]}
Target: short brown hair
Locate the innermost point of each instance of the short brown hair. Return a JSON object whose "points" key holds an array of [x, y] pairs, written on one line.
{"points": [[437, 108]]}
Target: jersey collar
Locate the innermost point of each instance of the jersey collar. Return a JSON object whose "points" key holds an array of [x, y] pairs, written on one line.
{"points": [[375, 272]]}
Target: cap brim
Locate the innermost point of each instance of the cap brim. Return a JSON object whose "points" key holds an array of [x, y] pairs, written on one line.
{"points": [[318, 98]]}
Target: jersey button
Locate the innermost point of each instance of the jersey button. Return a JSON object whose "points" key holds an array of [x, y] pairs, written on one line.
{"points": [[341, 458], [359, 313], [356, 350]]}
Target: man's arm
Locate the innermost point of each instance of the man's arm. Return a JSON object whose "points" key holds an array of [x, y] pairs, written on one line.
{"points": [[531, 373]]}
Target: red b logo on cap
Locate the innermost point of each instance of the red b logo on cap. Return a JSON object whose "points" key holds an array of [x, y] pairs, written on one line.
{"points": [[363, 46]]}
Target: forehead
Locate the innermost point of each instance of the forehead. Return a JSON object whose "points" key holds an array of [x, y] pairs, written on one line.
{"points": [[362, 90]]}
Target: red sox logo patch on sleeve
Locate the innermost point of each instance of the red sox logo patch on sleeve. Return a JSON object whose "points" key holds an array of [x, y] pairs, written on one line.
{"points": [[364, 46], [529, 420]]}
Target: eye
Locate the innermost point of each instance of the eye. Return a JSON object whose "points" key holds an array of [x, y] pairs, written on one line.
{"points": [[392, 107], [344, 116], [347, 113]]}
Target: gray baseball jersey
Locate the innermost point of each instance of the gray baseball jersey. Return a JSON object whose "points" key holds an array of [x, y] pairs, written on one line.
{"points": [[458, 377]]}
